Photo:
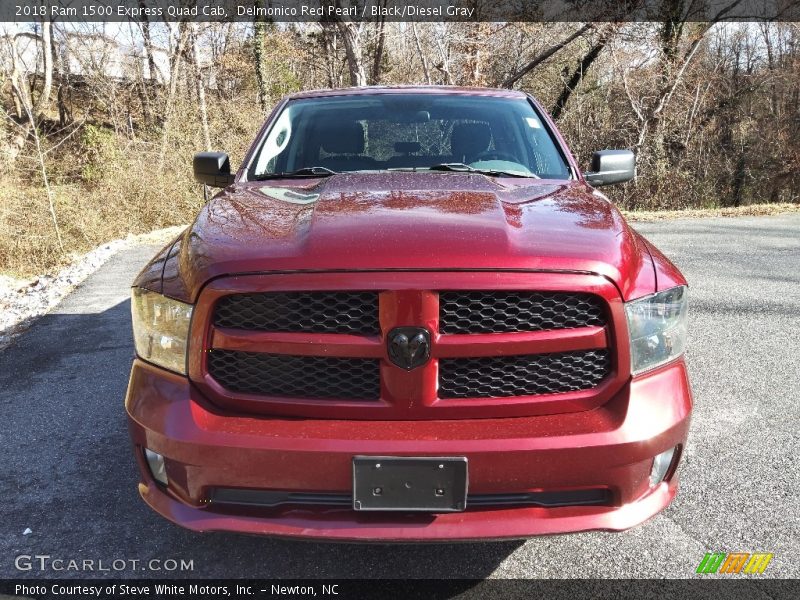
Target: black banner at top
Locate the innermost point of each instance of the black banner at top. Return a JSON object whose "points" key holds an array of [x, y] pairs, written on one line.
{"points": [[398, 10]]}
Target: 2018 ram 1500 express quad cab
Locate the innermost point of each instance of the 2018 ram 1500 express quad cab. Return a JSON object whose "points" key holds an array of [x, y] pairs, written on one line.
{"points": [[409, 316]]}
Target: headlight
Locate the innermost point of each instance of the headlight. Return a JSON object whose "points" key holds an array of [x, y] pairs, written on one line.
{"points": [[160, 329], [657, 328]]}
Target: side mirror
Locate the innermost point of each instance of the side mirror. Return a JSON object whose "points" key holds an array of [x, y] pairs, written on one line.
{"points": [[212, 168], [611, 166]]}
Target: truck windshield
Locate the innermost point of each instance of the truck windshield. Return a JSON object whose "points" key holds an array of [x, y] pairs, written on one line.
{"points": [[449, 132]]}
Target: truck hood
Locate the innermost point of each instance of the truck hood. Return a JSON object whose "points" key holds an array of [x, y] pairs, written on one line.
{"points": [[436, 221]]}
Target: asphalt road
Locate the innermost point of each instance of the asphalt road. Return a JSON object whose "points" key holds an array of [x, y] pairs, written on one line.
{"points": [[68, 475]]}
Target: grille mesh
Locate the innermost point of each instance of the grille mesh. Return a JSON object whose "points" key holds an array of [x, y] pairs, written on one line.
{"points": [[313, 312], [295, 376], [507, 312], [505, 376]]}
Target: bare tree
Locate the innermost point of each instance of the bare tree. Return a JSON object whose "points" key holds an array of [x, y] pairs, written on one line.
{"points": [[259, 56], [174, 74], [583, 66], [18, 79], [149, 82], [47, 66], [31, 112], [200, 84], [422, 57], [673, 66], [380, 46], [543, 56], [351, 36], [442, 40]]}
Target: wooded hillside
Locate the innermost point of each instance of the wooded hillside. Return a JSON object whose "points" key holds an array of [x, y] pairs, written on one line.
{"points": [[98, 122]]}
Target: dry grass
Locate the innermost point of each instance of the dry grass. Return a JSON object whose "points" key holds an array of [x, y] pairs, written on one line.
{"points": [[86, 218], [752, 210], [109, 184]]}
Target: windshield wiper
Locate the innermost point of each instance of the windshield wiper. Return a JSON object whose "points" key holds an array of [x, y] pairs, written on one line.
{"points": [[304, 172], [463, 168]]}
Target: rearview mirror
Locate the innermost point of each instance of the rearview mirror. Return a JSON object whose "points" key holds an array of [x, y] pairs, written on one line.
{"points": [[611, 166], [212, 168]]}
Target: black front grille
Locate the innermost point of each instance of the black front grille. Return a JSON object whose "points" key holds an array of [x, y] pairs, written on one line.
{"points": [[505, 376], [312, 312], [507, 312], [295, 376]]}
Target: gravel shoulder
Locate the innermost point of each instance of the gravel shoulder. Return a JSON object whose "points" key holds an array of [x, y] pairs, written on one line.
{"points": [[68, 462]]}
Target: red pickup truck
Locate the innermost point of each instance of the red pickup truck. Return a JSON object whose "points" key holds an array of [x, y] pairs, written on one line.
{"points": [[409, 316]]}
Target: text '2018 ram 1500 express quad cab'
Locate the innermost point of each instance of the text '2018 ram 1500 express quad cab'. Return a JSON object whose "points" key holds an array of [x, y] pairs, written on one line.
{"points": [[409, 316]]}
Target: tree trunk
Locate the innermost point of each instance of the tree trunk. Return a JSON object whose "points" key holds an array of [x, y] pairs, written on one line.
{"points": [[19, 83], [61, 61], [351, 34], [375, 76], [329, 37], [579, 74], [201, 88], [47, 65], [539, 59], [174, 73], [739, 177], [425, 70], [652, 123], [144, 99], [149, 84], [259, 56], [442, 43], [40, 155], [673, 68], [144, 25]]}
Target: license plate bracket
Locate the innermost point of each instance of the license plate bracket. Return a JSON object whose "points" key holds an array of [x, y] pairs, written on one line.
{"points": [[403, 483]]}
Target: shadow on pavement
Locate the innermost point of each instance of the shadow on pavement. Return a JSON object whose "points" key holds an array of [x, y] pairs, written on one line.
{"points": [[69, 464]]}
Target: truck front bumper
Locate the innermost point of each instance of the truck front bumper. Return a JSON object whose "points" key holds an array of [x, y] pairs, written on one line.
{"points": [[610, 448]]}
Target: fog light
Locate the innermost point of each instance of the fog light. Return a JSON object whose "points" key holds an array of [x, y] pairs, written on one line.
{"points": [[661, 464], [158, 467]]}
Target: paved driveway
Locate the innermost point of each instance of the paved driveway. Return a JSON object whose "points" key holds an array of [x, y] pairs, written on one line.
{"points": [[67, 472]]}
